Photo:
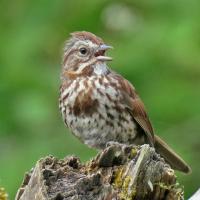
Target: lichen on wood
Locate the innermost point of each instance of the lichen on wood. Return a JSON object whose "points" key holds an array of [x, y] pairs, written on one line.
{"points": [[119, 172], [3, 194]]}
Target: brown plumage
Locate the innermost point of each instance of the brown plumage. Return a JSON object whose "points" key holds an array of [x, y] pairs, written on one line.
{"points": [[99, 106], [83, 35]]}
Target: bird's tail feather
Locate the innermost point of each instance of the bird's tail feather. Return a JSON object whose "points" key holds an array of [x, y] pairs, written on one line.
{"points": [[175, 161]]}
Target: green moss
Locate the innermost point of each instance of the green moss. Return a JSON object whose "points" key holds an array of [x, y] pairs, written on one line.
{"points": [[172, 188], [163, 185], [124, 191], [122, 184], [3, 194], [133, 153], [118, 178]]}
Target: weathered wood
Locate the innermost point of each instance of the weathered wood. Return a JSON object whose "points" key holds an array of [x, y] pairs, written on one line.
{"points": [[118, 172]]}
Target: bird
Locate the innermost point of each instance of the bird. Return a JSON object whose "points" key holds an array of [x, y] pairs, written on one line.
{"points": [[99, 106]]}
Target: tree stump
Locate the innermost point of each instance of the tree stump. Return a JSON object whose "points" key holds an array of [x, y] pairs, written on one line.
{"points": [[119, 172]]}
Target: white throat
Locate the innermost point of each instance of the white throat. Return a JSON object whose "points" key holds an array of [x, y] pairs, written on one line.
{"points": [[100, 68]]}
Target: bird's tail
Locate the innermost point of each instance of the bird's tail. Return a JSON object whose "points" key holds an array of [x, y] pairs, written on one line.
{"points": [[175, 161]]}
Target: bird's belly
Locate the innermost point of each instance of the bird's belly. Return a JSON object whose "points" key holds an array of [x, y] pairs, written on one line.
{"points": [[96, 132], [102, 120]]}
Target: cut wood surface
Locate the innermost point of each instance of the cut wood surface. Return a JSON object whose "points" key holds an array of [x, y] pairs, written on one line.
{"points": [[120, 172]]}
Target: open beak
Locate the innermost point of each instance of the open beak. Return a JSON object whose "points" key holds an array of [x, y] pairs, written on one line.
{"points": [[104, 47], [101, 51]]}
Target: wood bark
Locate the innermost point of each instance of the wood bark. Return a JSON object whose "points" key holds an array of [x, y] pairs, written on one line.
{"points": [[119, 172]]}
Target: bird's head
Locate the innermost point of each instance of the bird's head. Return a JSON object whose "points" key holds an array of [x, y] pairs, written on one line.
{"points": [[84, 53]]}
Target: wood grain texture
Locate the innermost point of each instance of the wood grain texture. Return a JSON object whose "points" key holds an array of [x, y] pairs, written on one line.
{"points": [[119, 172]]}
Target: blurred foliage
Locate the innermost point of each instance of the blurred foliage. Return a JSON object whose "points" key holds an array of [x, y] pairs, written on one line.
{"points": [[157, 47]]}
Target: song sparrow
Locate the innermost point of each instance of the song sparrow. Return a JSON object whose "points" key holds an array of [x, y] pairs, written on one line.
{"points": [[98, 105]]}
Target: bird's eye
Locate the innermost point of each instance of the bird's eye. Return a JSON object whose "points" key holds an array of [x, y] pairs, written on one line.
{"points": [[83, 51]]}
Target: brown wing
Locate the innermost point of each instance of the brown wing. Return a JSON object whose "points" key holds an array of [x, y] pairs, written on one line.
{"points": [[136, 107]]}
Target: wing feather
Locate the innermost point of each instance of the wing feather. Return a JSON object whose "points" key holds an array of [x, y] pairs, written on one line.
{"points": [[136, 108]]}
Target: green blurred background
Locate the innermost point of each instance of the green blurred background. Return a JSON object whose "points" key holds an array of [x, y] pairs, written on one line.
{"points": [[157, 47]]}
